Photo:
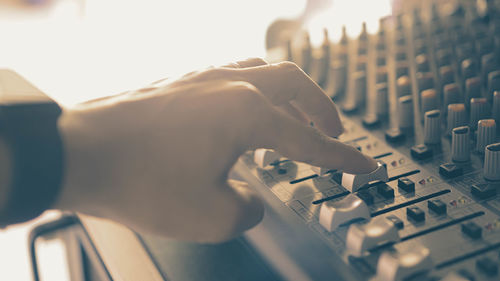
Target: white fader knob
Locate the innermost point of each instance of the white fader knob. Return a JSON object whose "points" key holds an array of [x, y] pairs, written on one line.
{"points": [[432, 127], [399, 266], [363, 237], [405, 111], [460, 144], [492, 162], [353, 182], [457, 116], [264, 157], [486, 134], [335, 213]]}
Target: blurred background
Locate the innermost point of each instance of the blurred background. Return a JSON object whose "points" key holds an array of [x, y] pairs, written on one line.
{"points": [[75, 50]]}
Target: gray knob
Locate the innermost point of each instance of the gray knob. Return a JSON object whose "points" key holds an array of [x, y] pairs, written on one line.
{"points": [[486, 134], [446, 74], [382, 102], [496, 106], [479, 109], [469, 68], [432, 127], [460, 144], [429, 100], [492, 162], [405, 111], [403, 86], [451, 95], [472, 89], [457, 116]]}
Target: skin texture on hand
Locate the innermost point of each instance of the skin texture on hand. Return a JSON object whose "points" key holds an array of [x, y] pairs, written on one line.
{"points": [[157, 159]]}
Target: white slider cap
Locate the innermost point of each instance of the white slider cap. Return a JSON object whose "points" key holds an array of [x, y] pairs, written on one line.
{"points": [[264, 157], [335, 213], [320, 170], [353, 182], [363, 237], [399, 266]]}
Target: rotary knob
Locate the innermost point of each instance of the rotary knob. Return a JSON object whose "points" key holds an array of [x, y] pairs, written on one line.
{"points": [[479, 109], [451, 94], [472, 89], [429, 100], [496, 106], [457, 116], [486, 134], [492, 162], [405, 111], [432, 128], [460, 144], [493, 83], [403, 86]]}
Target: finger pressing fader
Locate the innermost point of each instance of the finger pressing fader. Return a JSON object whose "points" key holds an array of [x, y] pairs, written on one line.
{"points": [[353, 182]]}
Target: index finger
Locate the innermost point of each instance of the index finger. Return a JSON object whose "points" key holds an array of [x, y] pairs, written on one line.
{"points": [[285, 82]]}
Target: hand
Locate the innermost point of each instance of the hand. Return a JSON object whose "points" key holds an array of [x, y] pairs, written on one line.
{"points": [[157, 159]]}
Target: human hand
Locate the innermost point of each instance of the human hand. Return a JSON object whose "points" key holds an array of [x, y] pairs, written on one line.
{"points": [[157, 159]]}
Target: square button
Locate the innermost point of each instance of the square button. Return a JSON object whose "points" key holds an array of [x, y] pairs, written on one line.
{"points": [[437, 206], [472, 230], [366, 196], [406, 184], [483, 191], [396, 221], [385, 191], [421, 152], [488, 266], [450, 170], [415, 213]]}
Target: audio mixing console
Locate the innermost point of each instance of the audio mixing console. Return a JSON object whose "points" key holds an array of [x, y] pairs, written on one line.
{"points": [[420, 97]]}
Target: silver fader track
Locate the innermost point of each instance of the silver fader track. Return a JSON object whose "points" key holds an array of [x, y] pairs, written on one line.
{"points": [[420, 96]]}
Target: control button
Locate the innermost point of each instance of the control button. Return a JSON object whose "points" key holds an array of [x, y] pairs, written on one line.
{"points": [[396, 221], [483, 190], [332, 214], [363, 237], [421, 152], [460, 144], [366, 196], [479, 109], [492, 162], [406, 184], [472, 230], [450, 170], [486, 134], [432, 127], [385, 191], [496, 106], [265, 157], [437, 206], [405, 111], [399, 266], [451, 94], [429, 100], [457, 116], [488, 266], [415, 213], [353, 182], [403, 86], [394, 135], [472, 89], [382, 101]]}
